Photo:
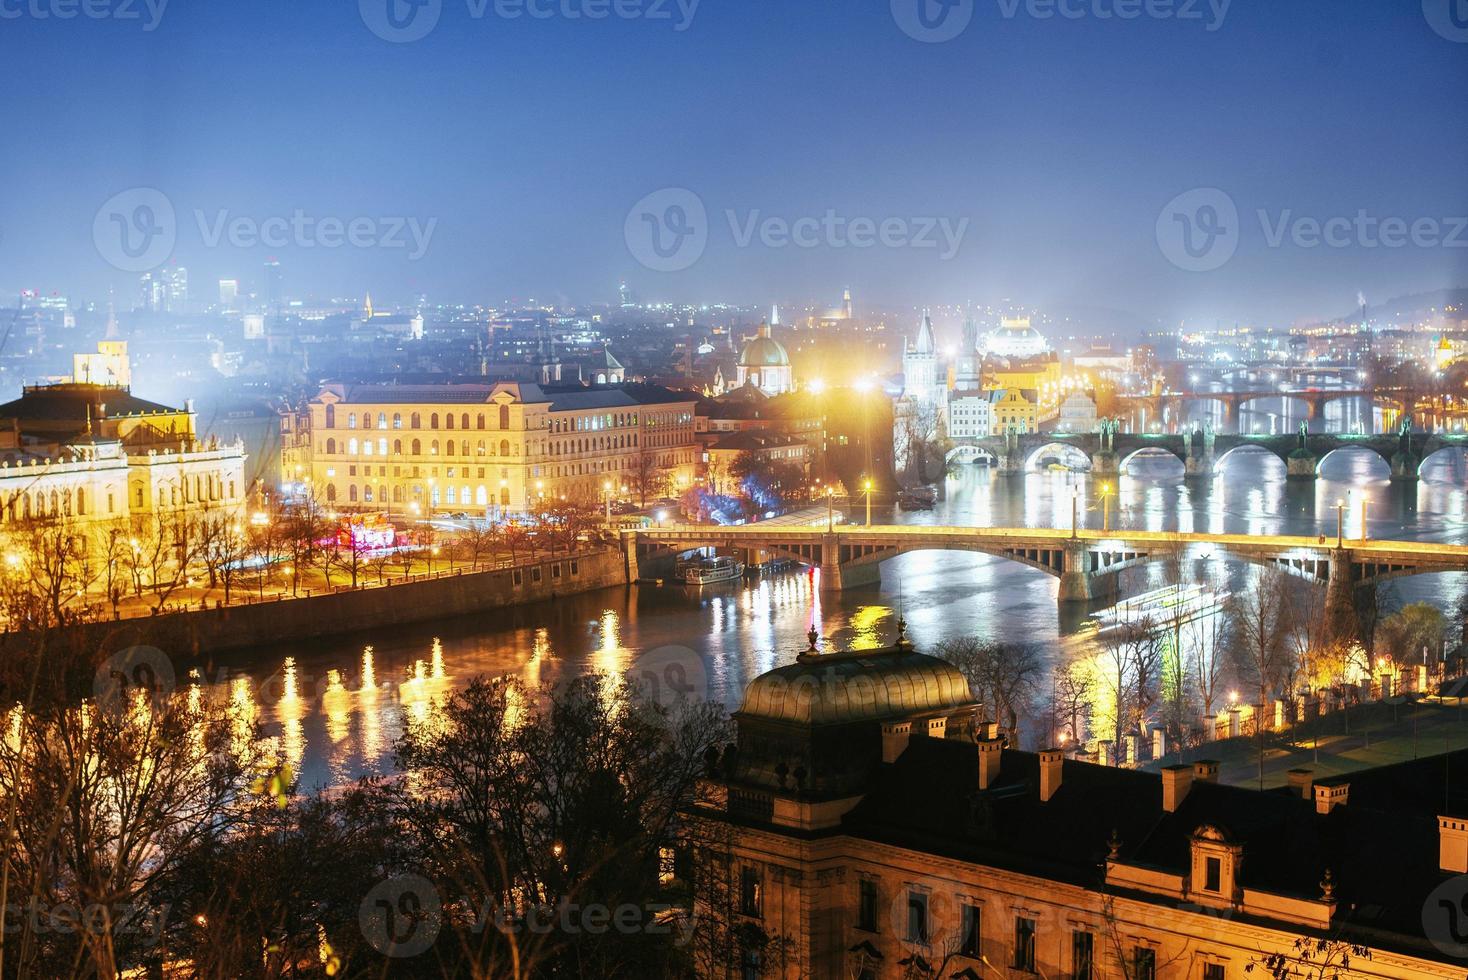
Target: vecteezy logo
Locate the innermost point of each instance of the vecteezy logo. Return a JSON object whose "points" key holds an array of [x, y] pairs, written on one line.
{"points": [[400, 21], [668, 230], [135, 230], [131, 673], [1445, 917], [933, 21], [401, 917], [669, 675], [1199, 231], [1448, 17]]}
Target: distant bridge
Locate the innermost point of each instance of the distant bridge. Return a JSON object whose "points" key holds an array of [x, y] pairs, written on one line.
{"points": [[1201, 453], [1085, 560], [1314, 399]]}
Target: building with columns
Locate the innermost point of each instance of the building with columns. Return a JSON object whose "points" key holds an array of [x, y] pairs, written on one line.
{"points": [[868, 824], [494, 449]]}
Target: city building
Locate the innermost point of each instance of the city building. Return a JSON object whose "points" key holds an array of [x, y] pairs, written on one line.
{"points": [[495, 449], [1014, 410], [968, 367], [868, 823], [165, 290], [97, 452], [1077, 413], [1015, 337], [921, 380], [770, 447], [763, 364], [970, 417], [110, 364]]}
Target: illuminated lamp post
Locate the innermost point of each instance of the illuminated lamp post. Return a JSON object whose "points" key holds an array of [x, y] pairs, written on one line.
{"points": [[1340, 523], [867, 486], [1364, 503], [830, 510], [1105, 507]]}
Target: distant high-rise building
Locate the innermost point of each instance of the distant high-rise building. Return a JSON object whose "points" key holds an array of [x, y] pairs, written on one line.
{"points": [[846, 306], [273, 289], [229, 293], [165, 290]]}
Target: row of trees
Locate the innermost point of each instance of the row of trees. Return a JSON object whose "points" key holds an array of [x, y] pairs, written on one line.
{"points": [[535, 833]]}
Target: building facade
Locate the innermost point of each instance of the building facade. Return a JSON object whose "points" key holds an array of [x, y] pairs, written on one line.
{"points": [[867, 824], [1014, 410], [970, 417], [496, 449]]}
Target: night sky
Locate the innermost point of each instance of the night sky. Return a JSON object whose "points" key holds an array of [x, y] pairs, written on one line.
{"points": [[529, 141]]}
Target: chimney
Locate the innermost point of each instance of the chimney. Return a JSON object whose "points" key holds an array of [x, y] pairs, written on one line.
{"points": [[1329, 795], [1206, 770], [990, 750], [895, 735], [937, 727], [1176, 781], [1301, 782], [1052, 762], [1452, 844]]}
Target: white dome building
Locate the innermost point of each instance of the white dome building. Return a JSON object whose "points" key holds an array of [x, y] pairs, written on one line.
{"points": [[765, 365], [1015, 338]]}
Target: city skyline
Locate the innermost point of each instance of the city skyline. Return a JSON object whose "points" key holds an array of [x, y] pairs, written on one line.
{"points": [[1032, 154]]}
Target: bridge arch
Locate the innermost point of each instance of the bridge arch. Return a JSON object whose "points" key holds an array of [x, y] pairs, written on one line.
{"points": [[970, 454], [1151, 452], [1296, 405], [1063, 453], [1248, 450], [1446, 464], [1380, 463]]}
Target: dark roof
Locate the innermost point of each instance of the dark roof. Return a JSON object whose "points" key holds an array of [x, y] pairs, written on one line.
{"points": [[68, 402], [1381, 845], [754, 441]]}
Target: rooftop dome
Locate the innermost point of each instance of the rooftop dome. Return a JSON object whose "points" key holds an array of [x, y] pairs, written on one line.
{"points": [[1016, 338], [865, 685], [764, 351]]}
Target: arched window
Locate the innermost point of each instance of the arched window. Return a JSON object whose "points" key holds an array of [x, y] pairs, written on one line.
{"points": [[382, 447], [397, 447], [433, 448], [331, 447], [481, 420], [397, 420], [464, 421], [453, 494], [331, 493], [367, 494], [351, 447], [417, 421], [417, 448], [504, 447], [352, 493], [448, 420], [351, 420], [504, 416], [331, 416], [463, 447], [481, 447], [481, 496], [382, 420], [433, 421]]}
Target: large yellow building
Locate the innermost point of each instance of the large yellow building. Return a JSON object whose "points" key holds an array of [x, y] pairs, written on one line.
{"points": [[495, 449], [868, 825], [98, 452]]}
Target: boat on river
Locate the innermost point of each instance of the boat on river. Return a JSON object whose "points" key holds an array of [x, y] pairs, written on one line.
{"points": [[710, 571]]}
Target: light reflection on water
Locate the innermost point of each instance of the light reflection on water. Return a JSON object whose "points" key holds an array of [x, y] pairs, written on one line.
{"points": [[337, 707]]}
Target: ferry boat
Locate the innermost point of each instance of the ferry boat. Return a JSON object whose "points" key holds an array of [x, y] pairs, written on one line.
{"points": [[918, 498], [708, 571]]}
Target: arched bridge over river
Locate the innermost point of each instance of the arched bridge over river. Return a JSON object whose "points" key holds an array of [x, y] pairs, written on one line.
{"points": [[1085, 561], [1201, 452]]}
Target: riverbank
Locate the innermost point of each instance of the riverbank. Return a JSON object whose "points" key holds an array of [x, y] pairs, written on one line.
{"points": [[286, 619]]}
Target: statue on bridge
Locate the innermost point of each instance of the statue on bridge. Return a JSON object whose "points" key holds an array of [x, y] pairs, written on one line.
{"points": [[1404, 435], [1304, 435]]}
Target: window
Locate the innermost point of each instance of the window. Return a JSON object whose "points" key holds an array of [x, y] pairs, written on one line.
{"points": [[1212, 971], [517, 578], [397, 420], [504, 416], [382, 420], [1024, 944], [866, 905], [972, 930], [751, 964], [1144, 963], [417, 448], [351, 420], [448, 420], [464, 421], [416, 421], [1082, 955], [750, 892], [331, 416], [1213, 874], [433, 421], [917, 917]]}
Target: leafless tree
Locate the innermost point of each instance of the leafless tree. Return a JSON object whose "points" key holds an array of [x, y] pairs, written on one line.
{"points": [[1004, 676]]}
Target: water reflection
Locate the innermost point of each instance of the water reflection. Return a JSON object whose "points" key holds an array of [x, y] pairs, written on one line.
{"points": [[339, 706]]}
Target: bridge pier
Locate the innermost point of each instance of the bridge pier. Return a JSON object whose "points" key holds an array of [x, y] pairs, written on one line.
{"points": [[1301, 465], [1105, 463], [1340, 595], [629, 555], [1404, 467], [1078, 583]]}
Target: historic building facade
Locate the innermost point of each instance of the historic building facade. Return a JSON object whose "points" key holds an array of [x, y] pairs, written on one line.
{"points": [[868, 824], [98, 452], [495, 449]]}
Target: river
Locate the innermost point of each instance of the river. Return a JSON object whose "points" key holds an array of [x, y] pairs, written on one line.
{"points": [[338, 705]]}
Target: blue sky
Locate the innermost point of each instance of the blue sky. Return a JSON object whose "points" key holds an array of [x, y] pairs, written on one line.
{"points": [[526, 141]]}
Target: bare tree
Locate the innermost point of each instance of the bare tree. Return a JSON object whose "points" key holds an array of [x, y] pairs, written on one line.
{"points": [[1259, 620], [1004, 676]]}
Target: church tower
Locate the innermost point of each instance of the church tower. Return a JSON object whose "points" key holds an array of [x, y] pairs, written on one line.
{"points": [[921, 380]]}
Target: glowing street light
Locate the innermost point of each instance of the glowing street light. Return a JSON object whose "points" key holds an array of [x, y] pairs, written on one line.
{"points": [[1105, 507], [1340, 523], [830, 510], [867, 486], [816, 386]]}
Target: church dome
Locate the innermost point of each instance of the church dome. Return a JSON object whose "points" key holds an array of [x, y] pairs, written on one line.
{"points": [[764, 351], [869, 685], [1016, 338]]}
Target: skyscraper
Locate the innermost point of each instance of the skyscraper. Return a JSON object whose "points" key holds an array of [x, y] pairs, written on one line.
{"points": [[272, 291]]}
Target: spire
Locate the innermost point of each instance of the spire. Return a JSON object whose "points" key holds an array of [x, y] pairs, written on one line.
{"points": [[925, 344], [775, 315], [846, 306], [367, 311]]}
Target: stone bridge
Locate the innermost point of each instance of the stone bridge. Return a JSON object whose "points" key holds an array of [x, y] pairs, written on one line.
{"points": [[1315, 400], [1201, 452], [1085, 561]]}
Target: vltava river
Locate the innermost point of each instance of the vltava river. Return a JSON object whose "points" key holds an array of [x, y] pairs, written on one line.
{"points": [[338, 706]]}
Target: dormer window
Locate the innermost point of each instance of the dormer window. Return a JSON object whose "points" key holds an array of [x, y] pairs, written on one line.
{"points": [[1216, 861], [1213, 874]]}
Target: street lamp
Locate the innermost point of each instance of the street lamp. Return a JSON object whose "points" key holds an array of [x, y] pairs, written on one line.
{"points": [[1364, 503], [606, 488], [1340, 523], [867, 486], [1105, 507], [830, 510]]}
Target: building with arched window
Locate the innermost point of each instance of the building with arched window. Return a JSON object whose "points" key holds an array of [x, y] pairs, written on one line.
{"points": [[539, 442]]}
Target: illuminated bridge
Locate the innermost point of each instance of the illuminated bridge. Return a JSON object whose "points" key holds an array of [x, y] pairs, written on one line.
{"points": [[1085, 561]]}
